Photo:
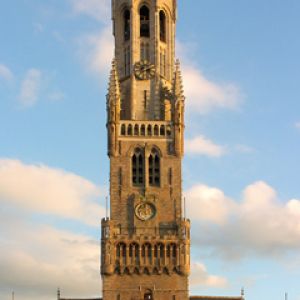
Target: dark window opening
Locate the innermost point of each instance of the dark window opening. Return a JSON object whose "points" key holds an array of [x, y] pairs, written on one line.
{"points": [[149, 130], [144, 22], [123, 130], [126, 25], [148, 296], [136, 129], [162, 26], [137, 168], [143, 130], [154, 168]]}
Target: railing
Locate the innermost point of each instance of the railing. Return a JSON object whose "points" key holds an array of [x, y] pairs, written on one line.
{"points": [[146, 128]]}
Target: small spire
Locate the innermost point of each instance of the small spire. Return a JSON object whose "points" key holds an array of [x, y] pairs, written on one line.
{"points": [[114, 83], [178, 85], [58, 293], [242, 292]]}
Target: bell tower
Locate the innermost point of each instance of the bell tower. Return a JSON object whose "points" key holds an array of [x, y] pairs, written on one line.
{"points": [[145, 244]]}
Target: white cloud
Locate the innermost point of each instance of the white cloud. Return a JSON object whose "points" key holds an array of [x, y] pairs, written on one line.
{"points": [[257, 225], [203, 146], [41, 189], [203, 94], [200, 277], [30, 87], [97, 9], [36, 257], [96, 51], [6, 73], [208, 204]]}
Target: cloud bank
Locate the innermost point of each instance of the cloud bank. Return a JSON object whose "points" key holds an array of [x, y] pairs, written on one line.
{"points": [[258, 224], [200, 145], [37, 255], [38, 188]]}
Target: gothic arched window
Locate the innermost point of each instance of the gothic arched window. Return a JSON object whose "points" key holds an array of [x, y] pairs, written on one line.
{"points": [[162, 26], [144, 21], [137, 167], [154, 168], [126, 25]]}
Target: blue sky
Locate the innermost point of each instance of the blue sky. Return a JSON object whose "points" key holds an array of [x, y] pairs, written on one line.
{"points": [[241, 68]]}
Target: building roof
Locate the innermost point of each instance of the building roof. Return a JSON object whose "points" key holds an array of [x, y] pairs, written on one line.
{"points": [[216, 298], [80, 298]]}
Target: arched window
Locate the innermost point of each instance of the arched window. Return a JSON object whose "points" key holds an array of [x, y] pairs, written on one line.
{"points": [[156, 130], [149, 130], [162, 130], [138, 167], [144, 21], [154, 168], [143, 130], [129, 129], [126, 25], [136, 129], [123, 129], [134, 253], [162, 26], [121, 253]]}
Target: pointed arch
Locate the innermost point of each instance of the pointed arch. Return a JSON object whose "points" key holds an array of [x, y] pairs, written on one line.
{"points": [[144, 21], [162, 26], [123, 129], [154, 167], [137, 164], [136, 129], [143, 130], [129, 129], [149, 130]]}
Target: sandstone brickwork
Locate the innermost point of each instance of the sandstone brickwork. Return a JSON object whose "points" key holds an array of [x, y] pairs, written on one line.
{"points": [[146, 241]]}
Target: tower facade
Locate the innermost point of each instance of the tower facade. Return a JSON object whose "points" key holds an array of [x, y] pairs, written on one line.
{"points": [[145, 244]]}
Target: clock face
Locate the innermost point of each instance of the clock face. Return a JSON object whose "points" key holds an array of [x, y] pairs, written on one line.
{"points": [[143, 70], [145, 211]]}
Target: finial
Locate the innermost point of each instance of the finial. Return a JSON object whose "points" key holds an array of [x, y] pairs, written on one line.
{"points": [[242, 292], [58, 293]]}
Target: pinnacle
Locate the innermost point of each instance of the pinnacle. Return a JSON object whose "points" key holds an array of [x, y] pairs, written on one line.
{"points": [[178, 85], [114, 84]]}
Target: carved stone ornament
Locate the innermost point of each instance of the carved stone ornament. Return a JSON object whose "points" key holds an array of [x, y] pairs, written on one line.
{"points": [[145, 211]]}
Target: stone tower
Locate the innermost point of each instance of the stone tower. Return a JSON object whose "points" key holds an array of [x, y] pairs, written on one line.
{"points": [[145, 244]]}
